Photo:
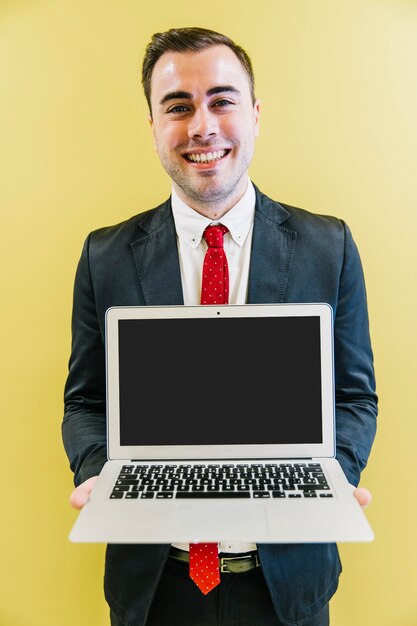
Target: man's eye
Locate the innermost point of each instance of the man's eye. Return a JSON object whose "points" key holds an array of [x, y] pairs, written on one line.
{"points": [[178, 108], [222, 103]]}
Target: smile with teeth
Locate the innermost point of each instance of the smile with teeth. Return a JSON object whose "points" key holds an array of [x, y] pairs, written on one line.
{"points": [[206, 157]]}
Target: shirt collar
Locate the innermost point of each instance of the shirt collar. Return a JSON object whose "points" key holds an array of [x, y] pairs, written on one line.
{"points": [[190, 225]]}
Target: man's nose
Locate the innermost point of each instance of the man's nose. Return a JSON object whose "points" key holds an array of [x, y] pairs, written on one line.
{"points": [[203, 125]]}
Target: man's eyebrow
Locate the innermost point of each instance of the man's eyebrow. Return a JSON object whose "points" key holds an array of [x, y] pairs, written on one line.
{"points": [[222, 89], [176, 95], [185, 95]]}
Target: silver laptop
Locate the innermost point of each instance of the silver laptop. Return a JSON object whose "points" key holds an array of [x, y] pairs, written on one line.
{"points": [[221, 427]]}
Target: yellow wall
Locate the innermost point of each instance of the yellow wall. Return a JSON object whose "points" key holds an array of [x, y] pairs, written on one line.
{"points": [[337, 81]]}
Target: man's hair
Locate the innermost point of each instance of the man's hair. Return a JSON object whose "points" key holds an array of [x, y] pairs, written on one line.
{"points": [[192, 39]]}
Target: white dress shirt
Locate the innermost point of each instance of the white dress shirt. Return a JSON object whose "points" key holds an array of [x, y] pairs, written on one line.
{"points": [[192, 247]]}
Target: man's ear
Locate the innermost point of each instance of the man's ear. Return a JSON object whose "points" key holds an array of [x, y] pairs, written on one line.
{"points": [[256, 115], [150, 120]]}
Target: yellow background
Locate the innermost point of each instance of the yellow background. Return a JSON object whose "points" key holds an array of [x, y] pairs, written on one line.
{"points": [[338, 85]]}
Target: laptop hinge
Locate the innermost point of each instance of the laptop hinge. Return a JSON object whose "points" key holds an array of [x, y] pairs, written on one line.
{"points": [[272, 458]]}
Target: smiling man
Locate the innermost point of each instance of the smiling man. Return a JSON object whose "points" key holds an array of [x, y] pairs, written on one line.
{"points": [[204, 125], [204, 116]]}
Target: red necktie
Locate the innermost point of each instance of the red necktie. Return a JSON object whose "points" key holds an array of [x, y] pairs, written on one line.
{"points": [[204, 565], [215, 282], [204, 557]]}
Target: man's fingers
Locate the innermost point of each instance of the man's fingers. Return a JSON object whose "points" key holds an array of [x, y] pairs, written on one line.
{"points": [[363, 496], [81, 493]]}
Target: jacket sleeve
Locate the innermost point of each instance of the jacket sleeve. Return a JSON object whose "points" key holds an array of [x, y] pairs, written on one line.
{"points": [[356, 400], [84, 423]]}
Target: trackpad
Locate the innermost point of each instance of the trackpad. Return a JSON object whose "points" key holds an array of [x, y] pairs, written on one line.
{"points": [[226, 521]]}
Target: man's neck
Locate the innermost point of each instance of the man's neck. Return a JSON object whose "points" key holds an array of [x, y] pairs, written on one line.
{"points": [[213, 209]]}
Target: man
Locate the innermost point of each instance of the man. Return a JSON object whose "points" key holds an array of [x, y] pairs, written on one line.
{"points": [[205, 119]]}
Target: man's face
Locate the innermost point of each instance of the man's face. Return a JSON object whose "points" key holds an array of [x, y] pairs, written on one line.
{"points": [[204, 125]]}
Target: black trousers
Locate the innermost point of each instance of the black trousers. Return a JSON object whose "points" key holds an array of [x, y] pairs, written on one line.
{"points": [[239, 600]]}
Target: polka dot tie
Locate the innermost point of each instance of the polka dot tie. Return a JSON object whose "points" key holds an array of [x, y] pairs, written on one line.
{"points": [[204, 565], [204, 557], [215, 281]]}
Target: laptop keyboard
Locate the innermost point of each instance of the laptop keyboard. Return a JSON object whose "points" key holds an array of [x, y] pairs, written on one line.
{"points": [[230, 480]]}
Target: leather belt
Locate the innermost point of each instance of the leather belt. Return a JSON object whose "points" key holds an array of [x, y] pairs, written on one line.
{"points": [[237, 564]]}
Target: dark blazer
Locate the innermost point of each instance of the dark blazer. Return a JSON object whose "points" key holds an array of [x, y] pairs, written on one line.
{"points": [[296, 256]]}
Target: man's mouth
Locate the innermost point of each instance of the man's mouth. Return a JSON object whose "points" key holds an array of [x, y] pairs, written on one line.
{"points": [[206, 157]]}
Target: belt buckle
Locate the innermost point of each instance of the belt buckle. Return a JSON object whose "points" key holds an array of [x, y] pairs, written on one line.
{"points": [[224, 559]]}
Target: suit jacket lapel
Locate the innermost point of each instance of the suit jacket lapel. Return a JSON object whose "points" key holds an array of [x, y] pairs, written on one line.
{"points": [[156, 254], [273, 248]]}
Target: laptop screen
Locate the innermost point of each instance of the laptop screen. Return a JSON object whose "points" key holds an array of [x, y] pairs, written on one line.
{"points": [[214, 381]]}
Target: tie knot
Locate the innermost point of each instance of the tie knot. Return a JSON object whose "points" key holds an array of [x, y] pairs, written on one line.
{"points": [[214, 235]]}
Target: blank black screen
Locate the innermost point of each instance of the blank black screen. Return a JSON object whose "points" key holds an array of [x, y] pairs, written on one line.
{"points": [[220, 381]]}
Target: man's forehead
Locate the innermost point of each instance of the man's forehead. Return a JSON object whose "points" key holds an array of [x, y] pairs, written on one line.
{"points": [[189, 71]]}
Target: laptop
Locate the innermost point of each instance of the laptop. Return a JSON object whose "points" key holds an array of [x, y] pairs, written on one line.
{"points": [[221, 427]]}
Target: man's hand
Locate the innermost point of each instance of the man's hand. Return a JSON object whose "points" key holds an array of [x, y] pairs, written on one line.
{"points": [[363, 496], [81, 493]]}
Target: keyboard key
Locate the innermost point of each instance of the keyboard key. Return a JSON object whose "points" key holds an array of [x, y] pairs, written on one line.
{"points": [[127, 481], [212, 494]]}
